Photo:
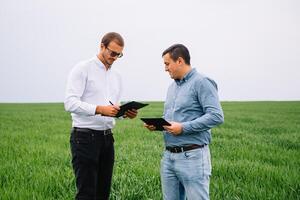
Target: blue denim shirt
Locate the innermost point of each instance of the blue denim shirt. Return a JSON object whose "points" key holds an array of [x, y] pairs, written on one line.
{"points": [[194, 102]]}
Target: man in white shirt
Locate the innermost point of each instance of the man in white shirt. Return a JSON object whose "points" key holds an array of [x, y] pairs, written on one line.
{"points": [[92, 96]]}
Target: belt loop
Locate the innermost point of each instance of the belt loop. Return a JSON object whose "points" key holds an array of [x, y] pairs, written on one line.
{"points": [[107, 132]]}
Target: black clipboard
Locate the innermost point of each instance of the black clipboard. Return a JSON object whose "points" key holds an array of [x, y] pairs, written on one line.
{"points": [[129, 106], [157, 122]]}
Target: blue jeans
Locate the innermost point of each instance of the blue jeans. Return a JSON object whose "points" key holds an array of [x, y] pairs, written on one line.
{"points": [[186, 175]]}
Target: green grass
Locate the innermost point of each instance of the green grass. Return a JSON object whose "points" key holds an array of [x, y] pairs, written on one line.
{"points": [[255, 153]]}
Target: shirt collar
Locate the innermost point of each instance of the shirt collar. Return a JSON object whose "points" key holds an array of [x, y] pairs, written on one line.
{"points": [[99, 63], [186, 77]]}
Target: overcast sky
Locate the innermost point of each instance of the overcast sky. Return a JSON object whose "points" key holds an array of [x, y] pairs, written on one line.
{"points": [[251, 48]]}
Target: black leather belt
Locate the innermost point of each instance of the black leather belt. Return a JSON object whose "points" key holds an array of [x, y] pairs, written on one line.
{"points": [[184, 148], [88, 130]]}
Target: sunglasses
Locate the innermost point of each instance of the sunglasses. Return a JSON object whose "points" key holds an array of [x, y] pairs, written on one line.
{"points": [[114, 54]]}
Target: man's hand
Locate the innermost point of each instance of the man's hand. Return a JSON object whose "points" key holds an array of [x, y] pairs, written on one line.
{"points": [[110, 110], [131, 114], [175, 128], [150, 127]]}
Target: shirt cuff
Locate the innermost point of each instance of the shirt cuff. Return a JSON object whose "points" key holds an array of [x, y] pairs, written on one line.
{"points": [[89, 108], [186, 127]]}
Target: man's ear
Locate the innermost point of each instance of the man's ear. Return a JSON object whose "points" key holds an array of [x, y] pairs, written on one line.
{"points": [[180, 61], [102, 46]]}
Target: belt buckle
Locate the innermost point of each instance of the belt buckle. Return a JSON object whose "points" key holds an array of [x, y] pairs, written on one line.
{"points": [[179, 150]]}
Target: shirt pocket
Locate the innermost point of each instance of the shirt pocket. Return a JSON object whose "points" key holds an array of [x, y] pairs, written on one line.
{"points": [[91, 85], [184, 101]]}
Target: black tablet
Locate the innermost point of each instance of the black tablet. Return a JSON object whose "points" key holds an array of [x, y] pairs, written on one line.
{"points": [[129, 106], [157, 122]]}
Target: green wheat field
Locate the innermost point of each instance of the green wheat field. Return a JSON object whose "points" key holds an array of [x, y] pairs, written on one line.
{"points": [[255, 153]]}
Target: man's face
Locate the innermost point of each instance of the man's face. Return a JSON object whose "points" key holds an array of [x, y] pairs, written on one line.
{"points": [[172, 66], [112, 52]]}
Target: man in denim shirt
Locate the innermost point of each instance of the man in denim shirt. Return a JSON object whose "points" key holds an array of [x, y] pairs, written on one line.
{"points": [[192, 107]]}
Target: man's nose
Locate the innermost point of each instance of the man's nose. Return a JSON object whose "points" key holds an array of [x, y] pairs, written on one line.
{"points": [[114, 58]]}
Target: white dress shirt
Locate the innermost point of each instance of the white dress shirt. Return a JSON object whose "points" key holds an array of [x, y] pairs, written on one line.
{"points": [[90, 84]]}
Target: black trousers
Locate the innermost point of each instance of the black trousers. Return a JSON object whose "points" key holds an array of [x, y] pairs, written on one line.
{"points": [[92, 160]]}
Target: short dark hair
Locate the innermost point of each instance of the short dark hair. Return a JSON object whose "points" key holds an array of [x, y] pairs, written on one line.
{"points": [[112, 36], [176, 51]]}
